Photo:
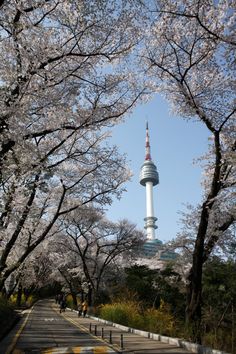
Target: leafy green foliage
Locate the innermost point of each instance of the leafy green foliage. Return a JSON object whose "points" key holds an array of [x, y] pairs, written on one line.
{"points": [[219, 304], [140, 280], [150, 286]]}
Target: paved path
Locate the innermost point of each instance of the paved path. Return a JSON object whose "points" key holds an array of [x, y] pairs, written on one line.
{"points": [[44, 330], [132, 343]]}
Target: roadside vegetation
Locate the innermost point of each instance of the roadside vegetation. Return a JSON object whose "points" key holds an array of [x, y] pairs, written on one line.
{"points": [[148, 299], [166, 315], [154, 300], [8, 316], [8, 310], [133, 314]]}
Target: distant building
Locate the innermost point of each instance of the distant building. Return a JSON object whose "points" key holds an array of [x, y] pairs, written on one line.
{"points": [[149, 178]]}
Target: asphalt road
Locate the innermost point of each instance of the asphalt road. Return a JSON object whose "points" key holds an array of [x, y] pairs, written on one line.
{"points": [[44, 330]]}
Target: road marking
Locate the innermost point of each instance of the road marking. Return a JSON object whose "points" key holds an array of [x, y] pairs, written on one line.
{"points": [[80, 350], [113, 347], [101, 350], [16, 337]]}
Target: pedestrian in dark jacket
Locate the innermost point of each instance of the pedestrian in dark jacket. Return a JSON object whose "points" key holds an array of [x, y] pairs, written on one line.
{"points": [[79, 309], [63, 304]]}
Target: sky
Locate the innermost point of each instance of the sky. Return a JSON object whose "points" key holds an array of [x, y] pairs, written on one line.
{"points": [[175, 144]]}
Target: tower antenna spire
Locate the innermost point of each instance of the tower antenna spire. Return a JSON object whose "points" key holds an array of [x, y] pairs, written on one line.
{"points": [[147, 147]]}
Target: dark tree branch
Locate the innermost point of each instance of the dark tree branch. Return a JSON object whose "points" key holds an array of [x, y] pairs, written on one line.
{"points": [[196, 17]]}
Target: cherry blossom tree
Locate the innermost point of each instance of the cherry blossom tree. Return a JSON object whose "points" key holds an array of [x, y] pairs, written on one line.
{"points": [[189, 54], [97, 244], [89, 178], [64, 77], [184, 241], [34, 274]]}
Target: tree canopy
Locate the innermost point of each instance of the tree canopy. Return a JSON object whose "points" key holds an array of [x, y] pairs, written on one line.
{"points": [[63, 80]]}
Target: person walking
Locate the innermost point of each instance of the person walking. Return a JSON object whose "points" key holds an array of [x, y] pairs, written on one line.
{"points": [[63, 304], [79, 308], [84, 308]]}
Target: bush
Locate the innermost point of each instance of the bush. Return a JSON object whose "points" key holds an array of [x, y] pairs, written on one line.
{"points": [[160, 320], [69, 301], [125, 313], [220, 339], [25, 302], [130, 314], [7, 316], [30, 300]]}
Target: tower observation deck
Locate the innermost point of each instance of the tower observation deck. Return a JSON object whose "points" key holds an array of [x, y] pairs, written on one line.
{"points": [[148, 178]]}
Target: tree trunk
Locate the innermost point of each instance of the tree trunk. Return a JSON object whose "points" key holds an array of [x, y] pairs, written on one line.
{"points": [[193, 308], [90, 296], [19, 295], [194, 287], [3, 292]]}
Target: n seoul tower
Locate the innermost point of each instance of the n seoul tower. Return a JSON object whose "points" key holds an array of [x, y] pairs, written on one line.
{"points": [[149, 178]]}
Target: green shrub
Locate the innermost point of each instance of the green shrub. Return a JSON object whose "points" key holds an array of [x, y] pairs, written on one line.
{"points": [[126, 313], [25, 302], [160, 320], [130, 314], [69, 301], [12, 299], [30, 300], [220, 339]]}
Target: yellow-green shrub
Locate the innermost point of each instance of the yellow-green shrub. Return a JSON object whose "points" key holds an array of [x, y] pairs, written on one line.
{"points": [[24, 301], [126, 313], [30, 300], [160, 320], [130, 314], [13, 299], [69, 301]]}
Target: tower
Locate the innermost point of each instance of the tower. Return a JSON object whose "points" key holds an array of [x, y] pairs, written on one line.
{"points": [[149, 178]]}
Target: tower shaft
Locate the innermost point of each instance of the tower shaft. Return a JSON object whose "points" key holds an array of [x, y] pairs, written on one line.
{"points": [[149, 199], [150, 218]]}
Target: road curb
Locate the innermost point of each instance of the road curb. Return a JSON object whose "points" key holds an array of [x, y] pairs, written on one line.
{"points": [[192, 347]]}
